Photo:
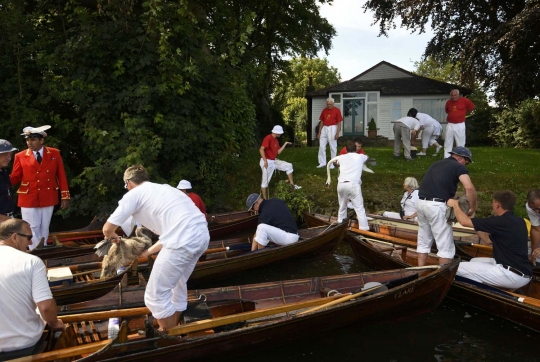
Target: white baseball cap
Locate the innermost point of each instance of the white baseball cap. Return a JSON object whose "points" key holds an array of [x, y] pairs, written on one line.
{"points": [[184, 185], [277, 130]]}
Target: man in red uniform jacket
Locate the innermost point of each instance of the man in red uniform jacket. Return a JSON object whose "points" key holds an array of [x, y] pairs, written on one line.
{"points": [[185, 187], [40, 172]]}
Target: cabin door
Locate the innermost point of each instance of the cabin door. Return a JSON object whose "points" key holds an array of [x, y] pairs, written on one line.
{"points": [[353, 117]]}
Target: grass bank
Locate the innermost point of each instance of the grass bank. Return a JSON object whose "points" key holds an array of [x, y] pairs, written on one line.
{"points": [[493, 169]]}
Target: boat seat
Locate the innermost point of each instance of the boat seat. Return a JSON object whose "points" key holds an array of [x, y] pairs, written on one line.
{"points": [[196, 311]]}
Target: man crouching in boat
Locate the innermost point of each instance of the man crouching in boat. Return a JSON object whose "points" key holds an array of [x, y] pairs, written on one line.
{"points": [[509, 267], [276, 222], [23, 287], [183, 238]]}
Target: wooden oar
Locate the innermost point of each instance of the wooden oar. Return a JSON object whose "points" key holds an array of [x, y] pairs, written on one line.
{"points": [[241, 317], [340, 300], [228, 248], [514, 296], [65, 352], [82, 317]]}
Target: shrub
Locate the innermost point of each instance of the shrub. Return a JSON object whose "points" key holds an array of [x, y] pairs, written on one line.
{"points": [[518, 127]]}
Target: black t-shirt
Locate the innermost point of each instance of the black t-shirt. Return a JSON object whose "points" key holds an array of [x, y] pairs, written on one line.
{"points": [[508, 233], [274, 212], [441, 179], [7, 204]]}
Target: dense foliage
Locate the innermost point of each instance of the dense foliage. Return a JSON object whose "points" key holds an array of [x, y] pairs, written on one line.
{"points": [[518, 127], [290, 90], [480, 123], [172, 85], [495, 42]]}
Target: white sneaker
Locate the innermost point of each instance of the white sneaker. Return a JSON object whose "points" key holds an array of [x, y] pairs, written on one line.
{"points": [[296, 187], [438, 149], [420, 154], [321, 166]]}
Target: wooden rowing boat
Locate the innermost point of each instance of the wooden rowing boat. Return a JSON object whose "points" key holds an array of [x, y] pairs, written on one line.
{"points": [[382, 254], [221, 225], [468, 244], [237, 319], [69, 244], [215, 265]]}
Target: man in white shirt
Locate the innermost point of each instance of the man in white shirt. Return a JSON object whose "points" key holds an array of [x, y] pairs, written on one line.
{"points": [[405, 130], [23, 287], [431, 130], [533, 210], [183, 237], [350, 173]]}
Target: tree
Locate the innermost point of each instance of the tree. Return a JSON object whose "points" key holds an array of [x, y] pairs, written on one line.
{"points": [[480, 123], [291, 86], [495, 42]]}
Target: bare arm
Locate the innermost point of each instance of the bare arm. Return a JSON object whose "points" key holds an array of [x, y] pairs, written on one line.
{"points": [[320, 129], [535, 243], [47, 310], [261, 151], [484, 237], [109, 231], [470, 192], [153, 249], [461, 217], [283, 147]]}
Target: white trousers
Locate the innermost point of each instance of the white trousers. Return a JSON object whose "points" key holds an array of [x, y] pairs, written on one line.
{"points": [[328, 136], [39, 219], [273, 165], [266, 233], [454, 131], [166, 291], [428, 137], [352, 191], [432, 225], [487, 271]]}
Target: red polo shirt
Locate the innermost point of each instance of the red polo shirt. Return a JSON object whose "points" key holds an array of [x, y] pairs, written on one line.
{"points": [[456, 111], [331, 117], [271, 147], [344, 151]]}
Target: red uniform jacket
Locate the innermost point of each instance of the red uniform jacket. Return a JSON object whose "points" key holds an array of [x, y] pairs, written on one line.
{"points": [[39, 181]]}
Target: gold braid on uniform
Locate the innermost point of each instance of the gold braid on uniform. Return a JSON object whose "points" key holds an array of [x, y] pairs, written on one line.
{"points": [[65, 195]]}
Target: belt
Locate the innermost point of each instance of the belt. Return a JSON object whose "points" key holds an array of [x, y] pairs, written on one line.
{"points": [[515, 271], [8, 214], [433, 199]]}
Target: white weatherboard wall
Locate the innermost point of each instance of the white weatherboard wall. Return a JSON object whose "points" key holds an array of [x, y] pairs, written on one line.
{"points": [[318, 105]]}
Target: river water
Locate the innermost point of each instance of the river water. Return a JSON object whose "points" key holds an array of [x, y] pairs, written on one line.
{"points": [[453, 332]]}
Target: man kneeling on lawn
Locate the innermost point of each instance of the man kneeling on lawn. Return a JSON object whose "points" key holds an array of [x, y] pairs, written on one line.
{"points": [[276, 222], [509, 267]]}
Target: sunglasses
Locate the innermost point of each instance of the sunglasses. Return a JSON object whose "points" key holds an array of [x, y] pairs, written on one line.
{"points": [[29, 237], [537, 209]]}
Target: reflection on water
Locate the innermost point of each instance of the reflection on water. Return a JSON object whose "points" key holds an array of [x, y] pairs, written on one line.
{"points": [[453, 332]]}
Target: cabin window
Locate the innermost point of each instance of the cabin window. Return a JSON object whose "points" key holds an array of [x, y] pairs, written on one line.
{"points": [[433, 107], [396, 110]]}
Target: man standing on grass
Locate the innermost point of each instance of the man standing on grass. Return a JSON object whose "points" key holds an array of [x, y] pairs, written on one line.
{"points": [[329, 129], [438, 186], [456, 109]]}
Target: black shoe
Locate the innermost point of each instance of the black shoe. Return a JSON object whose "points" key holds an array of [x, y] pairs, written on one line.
{"points": [[396, 157]]}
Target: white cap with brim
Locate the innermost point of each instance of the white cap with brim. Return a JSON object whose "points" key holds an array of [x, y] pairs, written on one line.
{"points": [[184, 185], [6, 146], [277, 130], [30, 132]]}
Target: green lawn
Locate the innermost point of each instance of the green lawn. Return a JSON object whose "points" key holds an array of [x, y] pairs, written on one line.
{"points": [[493, 169]]}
